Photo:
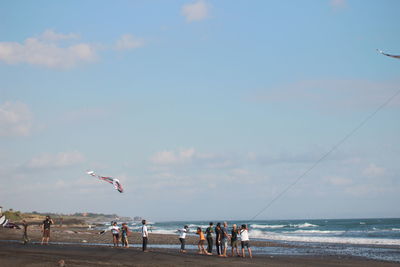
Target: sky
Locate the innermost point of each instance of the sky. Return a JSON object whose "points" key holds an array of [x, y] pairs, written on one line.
{"points": [[202, 109]]}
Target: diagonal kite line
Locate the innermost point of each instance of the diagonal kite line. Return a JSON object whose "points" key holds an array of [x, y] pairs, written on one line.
{"points": [[338, 144]]}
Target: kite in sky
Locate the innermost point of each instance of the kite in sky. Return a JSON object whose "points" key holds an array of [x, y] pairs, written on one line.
{"points": [[115, 182], [393, 56]]}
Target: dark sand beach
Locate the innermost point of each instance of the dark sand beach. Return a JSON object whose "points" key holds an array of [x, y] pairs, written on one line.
{"points": [[76, 251]]}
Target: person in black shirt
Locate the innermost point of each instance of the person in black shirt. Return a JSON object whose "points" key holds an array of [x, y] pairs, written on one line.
{"points": [[46, 230], [234, 240], [209, 236], [218, 233]]}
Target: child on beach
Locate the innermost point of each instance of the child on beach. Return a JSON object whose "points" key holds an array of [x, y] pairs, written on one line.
{"points": [[124, 235], [244, 234], [182, 237], [200, 245]]}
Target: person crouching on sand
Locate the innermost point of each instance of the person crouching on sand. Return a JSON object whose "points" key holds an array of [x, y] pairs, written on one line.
{"points": [[244, 234], [124, 235], [200, 245], [115, 234], [46, 230], [182, 237]]}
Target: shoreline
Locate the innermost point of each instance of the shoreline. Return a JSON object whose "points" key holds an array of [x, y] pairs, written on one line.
{"points": [[77, 241]]}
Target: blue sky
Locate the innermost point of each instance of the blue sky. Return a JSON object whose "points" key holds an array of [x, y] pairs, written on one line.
{"points": [[202, 109]]}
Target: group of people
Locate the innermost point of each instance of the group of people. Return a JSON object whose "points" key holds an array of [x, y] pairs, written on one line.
{"points": [[222, 235], [236, 236], [119, 234], [45, 231]]}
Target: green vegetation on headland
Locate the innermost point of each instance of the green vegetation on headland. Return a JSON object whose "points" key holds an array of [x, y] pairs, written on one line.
{"points": [[85, 218]]}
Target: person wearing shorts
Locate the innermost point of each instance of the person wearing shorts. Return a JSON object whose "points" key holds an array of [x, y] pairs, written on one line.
{"points": [[224, 239], [124, 235], [234, 240], [202, 239], [115, 234], [244, 234], [46, 230]]}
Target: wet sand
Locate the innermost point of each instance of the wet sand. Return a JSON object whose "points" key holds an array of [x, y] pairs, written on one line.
{"points": [[16, 254]]}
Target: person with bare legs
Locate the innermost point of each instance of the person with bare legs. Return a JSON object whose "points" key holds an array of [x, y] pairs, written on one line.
{"points": [[244, 234], [46, 230], [200, 245], [234, 240]]}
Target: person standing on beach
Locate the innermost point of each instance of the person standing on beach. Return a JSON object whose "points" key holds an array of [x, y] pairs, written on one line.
{"points": [[244, 234], [218, 234], [145, 236], [46, 230], [234, 240], [224, 239], [25, 238], [182, 237], [124, 235], [209, 236], [115, 234]]}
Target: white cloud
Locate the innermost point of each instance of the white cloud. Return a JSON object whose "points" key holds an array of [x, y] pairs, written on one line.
{"points": [[46, 51], [173, 157], [373, 171], [15, 119], [50, 35], [63, 159], [196, 11], [127, 42]]}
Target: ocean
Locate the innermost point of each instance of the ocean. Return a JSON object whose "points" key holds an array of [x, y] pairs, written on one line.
{"points": [[372, 238]]}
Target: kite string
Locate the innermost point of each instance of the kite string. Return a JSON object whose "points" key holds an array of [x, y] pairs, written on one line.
{"points": [[338, 144]]}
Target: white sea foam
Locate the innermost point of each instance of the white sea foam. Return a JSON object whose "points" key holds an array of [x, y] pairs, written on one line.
{"points": [[195, 226], [395, 229], [163, 231], [315, 232], [323, 239], [303, 225], [267, 226], [362, 222]]}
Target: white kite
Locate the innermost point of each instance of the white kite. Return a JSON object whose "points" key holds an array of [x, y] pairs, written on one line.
{"points": [[388, 55], [115, 182]]}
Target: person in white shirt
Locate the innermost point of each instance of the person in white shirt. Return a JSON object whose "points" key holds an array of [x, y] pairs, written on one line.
{"points": [[244, 234], [145, 236], [182, 237]]}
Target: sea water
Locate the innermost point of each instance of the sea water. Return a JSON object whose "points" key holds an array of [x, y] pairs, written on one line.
{"points": [[371, 238]]}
